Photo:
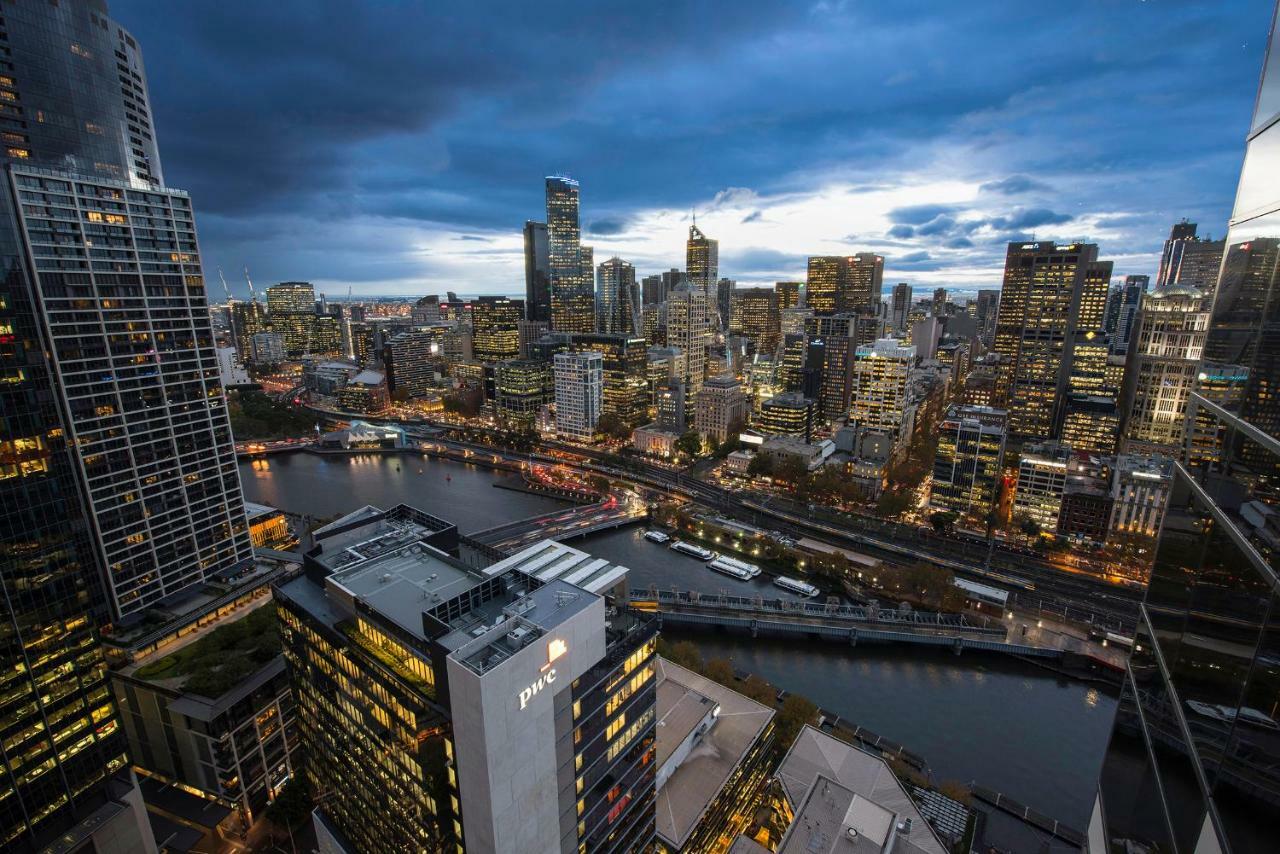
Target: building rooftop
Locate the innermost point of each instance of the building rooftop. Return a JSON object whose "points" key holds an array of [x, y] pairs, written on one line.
{"points": [[684, 700], [834, 819], [817, 759]]}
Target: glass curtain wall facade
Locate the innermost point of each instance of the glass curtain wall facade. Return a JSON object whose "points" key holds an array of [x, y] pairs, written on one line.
{"points": [[573, 303], [60, 739], [1194, 760]]}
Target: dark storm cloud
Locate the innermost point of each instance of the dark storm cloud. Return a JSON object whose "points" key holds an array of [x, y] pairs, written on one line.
{"points": [[607, 226], [1014, 185], [317, 135]]}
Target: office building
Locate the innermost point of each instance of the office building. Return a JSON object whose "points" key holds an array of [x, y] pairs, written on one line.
{"points": [[217, 718], [835, 798], [521, 388], [1192, 759], [702, 262], [723, 303], [1042, 481], [838, 335], [880, 379], [792, 321], [653, 324], [721, 408], [1190, 261], [939, 307], [414, 362], [247, 320], [572, 292], [425, 310], [113, 494], [1035, 331], [789, 294], [495, 325], [689, 329], [529, 331], [537, 272], [579, 391], [671, 407], [365, 393], [987, 311], [754, 314], [1094, 292], [787, 414], [267, 349], [1091, 424], [625, 364], [1139, 493], [1162, 366], [967, 466], [654, 289], [712, 755], [838, 283], [900, 307], [1131, 295], [618, 302], [447, 702], [291, 311]]}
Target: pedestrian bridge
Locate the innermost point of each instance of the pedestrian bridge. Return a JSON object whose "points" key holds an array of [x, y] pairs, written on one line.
{"points": [[777, 617]]}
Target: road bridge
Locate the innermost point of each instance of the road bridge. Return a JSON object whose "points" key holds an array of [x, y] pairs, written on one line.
{"points": [[851, 624]]}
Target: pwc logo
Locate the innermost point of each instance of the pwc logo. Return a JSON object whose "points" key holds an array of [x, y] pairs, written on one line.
{"points": [[555, 649]]}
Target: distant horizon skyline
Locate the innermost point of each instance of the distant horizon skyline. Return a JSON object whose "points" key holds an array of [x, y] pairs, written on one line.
{"points": [[785, 143]]}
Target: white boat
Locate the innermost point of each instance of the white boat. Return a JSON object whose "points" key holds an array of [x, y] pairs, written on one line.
{"points": [[751, 569], [791, 585], [656, 536], [693, 551], [721, 566]]}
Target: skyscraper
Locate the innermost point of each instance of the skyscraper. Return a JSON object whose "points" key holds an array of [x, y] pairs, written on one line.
{"points": [[291, 311], [939, 302], [579, 390], [838, 283], [1131, 295], [988, 310], [1035, 332], [1189, 260], [900, 307], [754, 315], [788, 294], [1192, 761], [572, 294], [689, 329], [618, 300], [1161, 370], [118, 483], [495, 325], [450, 702], [880, 374], [537, 272], [702, 261]]}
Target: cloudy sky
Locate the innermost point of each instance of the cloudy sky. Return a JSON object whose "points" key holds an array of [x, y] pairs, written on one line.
{"points": [[393, 148]]}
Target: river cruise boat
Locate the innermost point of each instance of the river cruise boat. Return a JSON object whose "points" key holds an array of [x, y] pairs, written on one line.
{"points": [[750, 568], [692, 551], [732, 570], [800, 588], [656, 536]]}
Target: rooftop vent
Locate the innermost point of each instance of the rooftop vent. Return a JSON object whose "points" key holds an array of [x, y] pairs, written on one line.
{"points": [[852, 833], [904, 827], [520, 635], [386, 576]]}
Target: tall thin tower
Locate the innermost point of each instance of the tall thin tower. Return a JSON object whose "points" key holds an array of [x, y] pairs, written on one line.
{"points": [[572, 296]]}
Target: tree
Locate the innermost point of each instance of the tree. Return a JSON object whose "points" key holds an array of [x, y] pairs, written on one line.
{"points": [[293, 805], [943, 522], [689, 443], [682, 653], [760, 466], [758, 690], [1026, 524], [893, 503], [796, 711], [612, 426], [599, 483], [719, 670], [792, 470]]}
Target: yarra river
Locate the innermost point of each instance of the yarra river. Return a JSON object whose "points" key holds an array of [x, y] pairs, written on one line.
{"points": [[1007, 725]]}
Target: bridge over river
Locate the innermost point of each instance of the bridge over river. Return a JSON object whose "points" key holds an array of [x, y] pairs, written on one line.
{"points": [[851, 624]]}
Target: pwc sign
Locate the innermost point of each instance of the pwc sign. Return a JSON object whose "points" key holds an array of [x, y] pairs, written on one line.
{"points": [[555, 648]]}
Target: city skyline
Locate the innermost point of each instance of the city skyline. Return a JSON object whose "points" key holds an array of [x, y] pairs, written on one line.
{"points": [[444, 175]]}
